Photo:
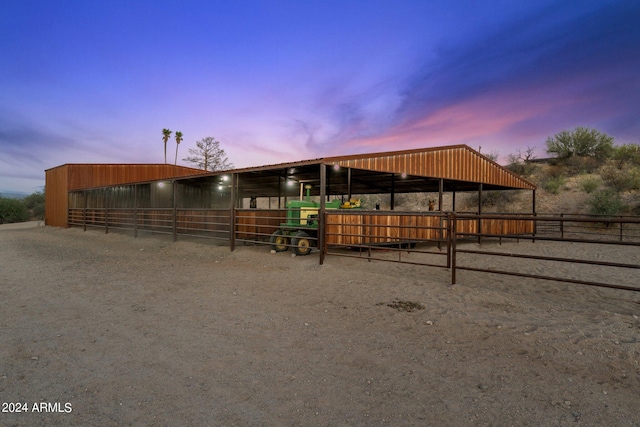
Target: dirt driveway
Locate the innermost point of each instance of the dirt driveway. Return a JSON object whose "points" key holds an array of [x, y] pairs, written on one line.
{"points": [[102, 329]]}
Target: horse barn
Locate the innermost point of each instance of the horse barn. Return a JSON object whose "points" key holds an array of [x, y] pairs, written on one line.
{"points": [[297, 205]]}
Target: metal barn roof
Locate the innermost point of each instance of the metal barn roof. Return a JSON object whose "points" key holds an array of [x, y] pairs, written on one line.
{"points": [[420, 170]]}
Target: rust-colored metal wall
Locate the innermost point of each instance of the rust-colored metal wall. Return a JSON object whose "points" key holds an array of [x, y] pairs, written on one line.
{"points": [[62, 179], [96, 175], [458, 162], [56, 198]]}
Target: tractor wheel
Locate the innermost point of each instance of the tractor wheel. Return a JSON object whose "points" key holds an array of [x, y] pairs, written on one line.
{"points": [[301, 244], [278, 241]]}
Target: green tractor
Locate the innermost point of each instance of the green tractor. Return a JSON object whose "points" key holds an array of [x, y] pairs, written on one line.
{"points": [[301, 229]]}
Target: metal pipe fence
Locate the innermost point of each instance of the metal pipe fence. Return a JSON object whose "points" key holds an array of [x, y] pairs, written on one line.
{"points": [[403, 237], [581, 230], [459, 242]]}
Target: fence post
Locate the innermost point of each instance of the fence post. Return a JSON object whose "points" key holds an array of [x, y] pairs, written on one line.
{"points": [[452, 243], [175, 211], [232, 215], [106, 211], [84, 212], [480, 195], [135, 210], [448, 222], [621, 228], [322, 243]]}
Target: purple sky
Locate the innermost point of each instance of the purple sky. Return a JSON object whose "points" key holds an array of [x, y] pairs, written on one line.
{"points": [[275, 81]]}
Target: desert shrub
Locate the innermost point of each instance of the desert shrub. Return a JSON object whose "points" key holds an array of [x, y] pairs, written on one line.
{"points": [[589, 183], [12, 210], [606, 202], [624, 177], [580, 142], [578, 165], [522, 168], [500, 199], [553, 183], [627, 153], [35, 204]]}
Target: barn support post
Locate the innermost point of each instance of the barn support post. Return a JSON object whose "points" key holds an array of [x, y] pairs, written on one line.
{"points": [[533, 212], [279, 192], [480, 213], [349, 182], [232, 214], [175, 210], [440, 191], [322, 220], [328, 179], [286, 186], [453, 200], [135, 210], [393, 191], [453, 230]]}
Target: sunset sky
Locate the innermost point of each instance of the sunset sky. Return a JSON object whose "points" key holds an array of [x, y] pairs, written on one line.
{"points": [[85, 81]]}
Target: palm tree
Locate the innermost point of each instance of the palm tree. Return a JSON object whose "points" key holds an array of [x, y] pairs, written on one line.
{"points": [[166, 134], [178, 139]]}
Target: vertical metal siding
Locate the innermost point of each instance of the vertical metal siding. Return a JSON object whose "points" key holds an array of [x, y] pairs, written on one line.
{"points": [[61, 179], [56, 198], [454, 163]]}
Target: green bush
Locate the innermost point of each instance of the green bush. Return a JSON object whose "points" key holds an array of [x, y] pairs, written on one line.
{"points": [[498, 199], [625, 177], [35, 204], [606, 202], [12, 210], [552, 184], [589, 184], [627, 153], [522, 168], [577, 165], [581, 142]]}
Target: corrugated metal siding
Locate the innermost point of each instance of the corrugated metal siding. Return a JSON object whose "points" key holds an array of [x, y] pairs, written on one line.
{"points": [[459, 163], [62, 179], [96, 175], [56, 198]]}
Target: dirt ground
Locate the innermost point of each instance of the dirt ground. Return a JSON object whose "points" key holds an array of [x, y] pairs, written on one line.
{"points": [[105, 329]]}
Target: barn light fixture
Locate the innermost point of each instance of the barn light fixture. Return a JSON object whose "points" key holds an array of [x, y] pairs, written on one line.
{"points": [[161, 184], [336, 167]]}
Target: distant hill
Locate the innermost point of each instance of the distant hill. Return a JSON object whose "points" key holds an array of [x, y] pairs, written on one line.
{"points": [[13, 195]]}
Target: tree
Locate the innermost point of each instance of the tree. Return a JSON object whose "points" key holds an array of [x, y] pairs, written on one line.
{"points": [[208, 155], [12, 210], [581, 142], [35, 204], [166, 134], [627, 153], [178, 140]]}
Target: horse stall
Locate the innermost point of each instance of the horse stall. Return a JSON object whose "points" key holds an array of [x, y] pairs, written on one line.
{"points": [[250, 205]]}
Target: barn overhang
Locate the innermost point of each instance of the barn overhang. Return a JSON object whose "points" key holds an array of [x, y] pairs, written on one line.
{"points": [[450, 169]]}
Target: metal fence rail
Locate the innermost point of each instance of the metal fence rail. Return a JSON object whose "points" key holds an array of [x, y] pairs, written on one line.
{"points": [[584, 230], [599, 227], [255, 226], [430, 239], [403, 237]]}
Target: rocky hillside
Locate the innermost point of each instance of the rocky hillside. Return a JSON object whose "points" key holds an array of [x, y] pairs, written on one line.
{"points": [[561, 189]]}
